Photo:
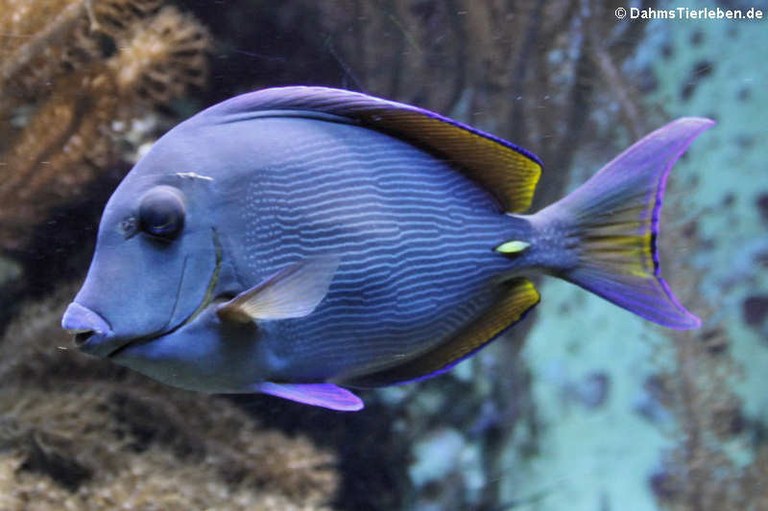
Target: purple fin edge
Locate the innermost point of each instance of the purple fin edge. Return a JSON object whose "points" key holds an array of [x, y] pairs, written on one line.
{"points": [[324, 395], [299, 97], [703, 124], [613, 179], [454, 363]]}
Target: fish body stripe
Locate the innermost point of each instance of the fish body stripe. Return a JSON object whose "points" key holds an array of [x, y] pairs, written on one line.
{"points": [[415, 236]]}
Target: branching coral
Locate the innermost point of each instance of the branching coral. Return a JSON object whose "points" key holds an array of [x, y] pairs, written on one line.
{"points": [[71, 69], [80, 434]]}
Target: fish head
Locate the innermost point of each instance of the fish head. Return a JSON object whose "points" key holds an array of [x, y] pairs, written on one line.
{"points": [[157, 259]]}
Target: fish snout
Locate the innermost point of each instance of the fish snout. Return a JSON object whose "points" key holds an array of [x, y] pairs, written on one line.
{"points": [[87, 327]]}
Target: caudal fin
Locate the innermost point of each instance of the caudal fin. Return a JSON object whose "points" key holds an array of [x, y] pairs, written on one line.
{"points": [[613, 220]]}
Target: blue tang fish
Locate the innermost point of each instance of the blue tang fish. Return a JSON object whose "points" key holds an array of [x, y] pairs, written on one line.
{"points": [[302, 241]]}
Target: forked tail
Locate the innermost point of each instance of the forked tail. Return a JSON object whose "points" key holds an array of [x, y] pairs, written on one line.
{"points": [[607, 228]]}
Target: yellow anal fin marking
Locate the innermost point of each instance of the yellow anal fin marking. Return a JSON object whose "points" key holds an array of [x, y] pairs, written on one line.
{"points": [[518, 297]]}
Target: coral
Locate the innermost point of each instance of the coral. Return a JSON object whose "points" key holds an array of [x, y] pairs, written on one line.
{"points": [[82, 434], [73, 70]]}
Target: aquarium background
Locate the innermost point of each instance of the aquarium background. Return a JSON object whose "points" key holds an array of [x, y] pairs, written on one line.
{"points": [[582, 407]]}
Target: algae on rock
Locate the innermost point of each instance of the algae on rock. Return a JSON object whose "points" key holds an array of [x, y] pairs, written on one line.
{"points": [[83, 434]]}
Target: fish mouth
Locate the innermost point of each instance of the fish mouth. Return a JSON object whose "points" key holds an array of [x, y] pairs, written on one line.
{"points": [[207, 300], [84, 324]]}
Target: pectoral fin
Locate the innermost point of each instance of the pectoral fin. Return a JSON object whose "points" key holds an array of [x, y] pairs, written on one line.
{"points": [[325, 395], [517, 297], [293, 292]]}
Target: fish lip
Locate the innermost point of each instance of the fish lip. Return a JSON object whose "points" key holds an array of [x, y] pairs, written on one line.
{"points": [[83, 319], [79, 319], [100, 331]]}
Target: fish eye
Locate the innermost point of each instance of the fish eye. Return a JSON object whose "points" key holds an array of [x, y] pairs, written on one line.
{"points": [[161, 213]]}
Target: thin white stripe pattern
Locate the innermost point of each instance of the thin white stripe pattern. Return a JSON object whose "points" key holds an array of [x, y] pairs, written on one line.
{"points": [[415, 238]]}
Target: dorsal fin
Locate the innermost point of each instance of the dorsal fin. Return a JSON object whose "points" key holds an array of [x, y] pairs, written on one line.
{"points": [[518, 296], [508, 172]]}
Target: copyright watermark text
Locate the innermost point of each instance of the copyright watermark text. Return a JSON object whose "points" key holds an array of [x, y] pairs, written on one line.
{"points": [[687, 13]]}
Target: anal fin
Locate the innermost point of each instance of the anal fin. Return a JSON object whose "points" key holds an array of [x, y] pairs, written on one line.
{"points": [[518, 297], [325, 395]]}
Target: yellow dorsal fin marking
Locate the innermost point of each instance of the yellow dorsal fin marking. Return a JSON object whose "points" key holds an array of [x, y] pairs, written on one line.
{"points": [[509, 175], [506, 171]]}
